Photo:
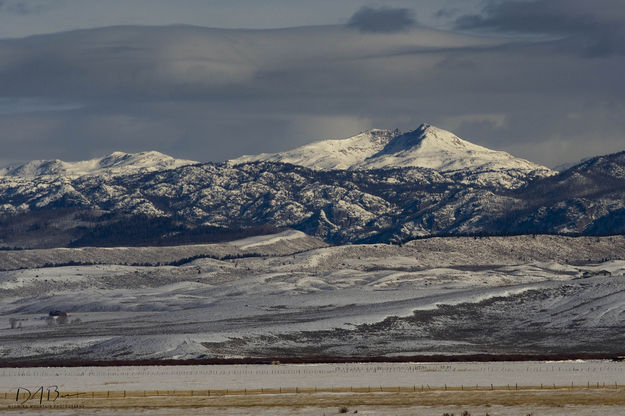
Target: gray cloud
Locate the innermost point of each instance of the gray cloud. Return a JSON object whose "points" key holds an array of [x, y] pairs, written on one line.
{"points": [[382, 20], [596, 28], [446, 13], [209, 94], [23, 7]]}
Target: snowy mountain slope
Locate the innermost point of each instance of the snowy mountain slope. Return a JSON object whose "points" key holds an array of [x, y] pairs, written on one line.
{"points": [[377, 205], [330, 154], [281, 244], [134, 200], [426, 147], [117, 163], [434, 148], [588, 198]]}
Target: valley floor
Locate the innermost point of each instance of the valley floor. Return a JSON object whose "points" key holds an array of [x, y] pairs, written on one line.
{"points": [[289, 295]]}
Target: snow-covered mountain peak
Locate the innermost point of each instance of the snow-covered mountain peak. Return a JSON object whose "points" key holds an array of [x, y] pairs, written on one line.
{"points": [[427, 147], [117, 163], [149, 160], [431, 147], [426, 136]]}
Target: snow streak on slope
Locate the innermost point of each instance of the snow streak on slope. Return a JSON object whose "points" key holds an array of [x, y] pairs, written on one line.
{"points": [[117, 163], [427, 147], [264, 240]]}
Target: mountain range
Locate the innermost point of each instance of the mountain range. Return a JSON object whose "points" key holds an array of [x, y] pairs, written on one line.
{"points": [[378, 186]]}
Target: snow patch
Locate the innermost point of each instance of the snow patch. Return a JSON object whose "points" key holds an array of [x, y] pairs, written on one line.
{"points": [[263, 240]]}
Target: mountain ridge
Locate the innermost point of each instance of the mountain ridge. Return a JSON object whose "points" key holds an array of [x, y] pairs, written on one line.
{"points": [[198, 201], [116, 163], [376, 143]]}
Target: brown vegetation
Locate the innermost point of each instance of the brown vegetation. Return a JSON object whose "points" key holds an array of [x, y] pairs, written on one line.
{"points": [[348, 398]]}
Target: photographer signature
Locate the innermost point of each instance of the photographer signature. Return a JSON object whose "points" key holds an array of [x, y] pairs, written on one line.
{"points": [[43, 393]]}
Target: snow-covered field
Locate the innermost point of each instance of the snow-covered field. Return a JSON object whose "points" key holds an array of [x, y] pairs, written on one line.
{"points": [[491, 295], [421, 376]]}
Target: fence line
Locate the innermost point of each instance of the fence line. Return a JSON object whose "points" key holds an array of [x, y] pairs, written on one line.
{"points": [[44, 395]]}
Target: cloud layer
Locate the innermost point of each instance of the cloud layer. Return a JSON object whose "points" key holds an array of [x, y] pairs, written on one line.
{"points": [[22, 7], [596, 28], [213, 94]]}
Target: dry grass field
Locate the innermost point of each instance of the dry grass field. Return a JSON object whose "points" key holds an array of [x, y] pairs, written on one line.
{"points": [[557, 396]]}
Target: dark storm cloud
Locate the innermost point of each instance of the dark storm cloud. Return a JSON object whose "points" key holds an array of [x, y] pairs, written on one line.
{"points": [[382, 20], [597, 28]]}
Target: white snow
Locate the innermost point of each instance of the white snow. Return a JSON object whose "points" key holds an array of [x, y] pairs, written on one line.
{"points": [[143, 306], [263, 240], [330, 154], [117, 163], [171, 311], [288, 376], [426, 147]]}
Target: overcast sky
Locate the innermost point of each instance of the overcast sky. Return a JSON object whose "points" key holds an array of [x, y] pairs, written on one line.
{"points": [[210, 80]]}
